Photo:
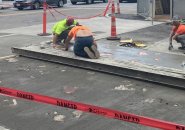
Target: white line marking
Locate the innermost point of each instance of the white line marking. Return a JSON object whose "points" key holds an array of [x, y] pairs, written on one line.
{"points": [[7, 57], [8, 35]]}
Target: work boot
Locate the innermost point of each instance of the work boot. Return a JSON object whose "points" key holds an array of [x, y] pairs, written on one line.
{"points": [[89, 53], [170, 47], [181, 48], [96, 52]]}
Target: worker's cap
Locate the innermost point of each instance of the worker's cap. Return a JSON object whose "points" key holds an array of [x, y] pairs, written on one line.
{"points": [[69, 21]]}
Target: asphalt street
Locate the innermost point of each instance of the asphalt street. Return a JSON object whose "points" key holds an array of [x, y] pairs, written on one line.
{"points": [[89, 87], [119, 93], [15, 18]]}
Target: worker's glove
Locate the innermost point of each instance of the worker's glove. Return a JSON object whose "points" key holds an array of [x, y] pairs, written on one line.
{"points": [[170, 47]]}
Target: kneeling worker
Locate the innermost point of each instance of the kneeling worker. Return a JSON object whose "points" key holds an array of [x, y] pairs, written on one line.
{"points": [[61, 29], [85, 45], [178, 33]]}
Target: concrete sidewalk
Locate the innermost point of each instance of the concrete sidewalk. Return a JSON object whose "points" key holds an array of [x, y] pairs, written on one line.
{"points": [[100, 29], [150, 60], [130, 62]]}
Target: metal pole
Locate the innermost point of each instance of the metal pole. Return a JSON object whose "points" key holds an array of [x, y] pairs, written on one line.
{"points": [[118, 7], [171, 9], [152, 12], [44, 17]]}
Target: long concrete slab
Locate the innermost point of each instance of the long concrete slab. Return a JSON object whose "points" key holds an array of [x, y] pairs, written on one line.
{"points": [[130, 62]]}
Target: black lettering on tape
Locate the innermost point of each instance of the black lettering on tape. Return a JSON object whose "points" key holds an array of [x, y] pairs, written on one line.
{"points": [[180, 128], [126, 118], [5, 92], [97, 111], [66, 104], [25, 96]]}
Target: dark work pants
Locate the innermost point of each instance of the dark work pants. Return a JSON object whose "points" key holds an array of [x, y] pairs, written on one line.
{"points": [[80, 43], [63, 36], [181, 39]]}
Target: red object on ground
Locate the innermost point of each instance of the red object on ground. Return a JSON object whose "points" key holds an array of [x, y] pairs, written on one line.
{"points": [[44, 20], [113, 25], [109, 113]]}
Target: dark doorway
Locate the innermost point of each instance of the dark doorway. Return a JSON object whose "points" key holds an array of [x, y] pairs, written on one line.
{"points": [[162, 7]]}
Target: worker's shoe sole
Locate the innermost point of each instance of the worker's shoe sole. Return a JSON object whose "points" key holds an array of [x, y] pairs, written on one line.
{"points": [[89, 53], [181, 48], [96, 52]]}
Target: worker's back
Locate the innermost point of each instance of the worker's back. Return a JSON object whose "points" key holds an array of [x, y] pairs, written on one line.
{"points": [[80, 31]]}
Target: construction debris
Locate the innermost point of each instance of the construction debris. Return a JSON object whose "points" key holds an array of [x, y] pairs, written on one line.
{"points": [[131, 43], [124, 88], [149, 100], [12, 60], [14, 102], [77, 114], [144, 89], [59, 118]]}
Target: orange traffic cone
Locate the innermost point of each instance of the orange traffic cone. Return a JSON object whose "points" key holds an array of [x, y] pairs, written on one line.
{"points": [[44, 20], [113, 25]]}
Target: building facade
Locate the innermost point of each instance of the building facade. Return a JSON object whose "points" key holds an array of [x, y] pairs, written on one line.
{"points": [[158, 8]]}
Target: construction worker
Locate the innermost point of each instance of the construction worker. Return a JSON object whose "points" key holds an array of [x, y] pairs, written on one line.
{"points": [[85, 45], [177, 33], [61, 29]]}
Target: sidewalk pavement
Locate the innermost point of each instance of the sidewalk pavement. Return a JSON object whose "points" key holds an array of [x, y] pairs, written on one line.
{"points": [[101, 29], [123, 61], [154, 36], [6, 5]]}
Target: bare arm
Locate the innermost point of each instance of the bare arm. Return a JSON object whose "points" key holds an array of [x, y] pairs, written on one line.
{"points": [[67, 42], [171, 37], [175, 36], [55, 37]]}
